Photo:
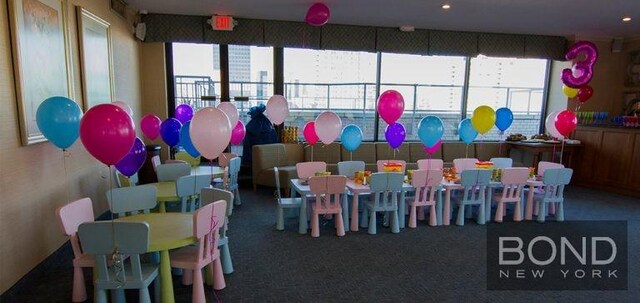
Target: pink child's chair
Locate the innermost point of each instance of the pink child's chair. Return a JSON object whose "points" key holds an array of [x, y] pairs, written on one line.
{"points": [[207, 221], [381, 163], [426, 183], [309, 169], [463, 164], [70, 217], [328, 192], [430, 164], [544, 165], [513, 181]]}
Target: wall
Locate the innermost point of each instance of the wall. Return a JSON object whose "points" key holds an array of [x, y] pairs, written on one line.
{"points": [[154, 85], [32, 178]]}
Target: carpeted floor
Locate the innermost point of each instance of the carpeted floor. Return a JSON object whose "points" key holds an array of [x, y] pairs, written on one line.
{"points": [[423, 264]]}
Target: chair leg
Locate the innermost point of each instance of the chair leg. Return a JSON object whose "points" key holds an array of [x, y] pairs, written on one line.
{"points": [[481, 211], [187, 277], [372, 222], [236, 199], [79, 289], [364, 223], [156, 290], [280, 222], [433, 221], [117, 295], [412, 217], [460, 218], [225, 258], [339, 225], [218, 277], [143, 296], [542, 212], [100, 295], [517, 212], [197, 290], [499, 211], [560, 211], [395, 224], [315, 225]]}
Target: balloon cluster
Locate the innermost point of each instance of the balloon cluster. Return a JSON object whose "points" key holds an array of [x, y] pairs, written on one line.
{"points": [[576, 78], [482, 121], [560, 124], [390, 108]]}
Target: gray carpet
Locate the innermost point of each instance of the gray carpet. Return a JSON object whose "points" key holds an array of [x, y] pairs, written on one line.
{"points": [[423, 264]]}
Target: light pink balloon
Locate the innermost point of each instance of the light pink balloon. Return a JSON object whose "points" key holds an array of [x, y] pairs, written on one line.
{"points": [[231, 110], [210, 132], [328, 127], [550, 124], [124, 106], [237, 134], [150, 125], [277, 109]]}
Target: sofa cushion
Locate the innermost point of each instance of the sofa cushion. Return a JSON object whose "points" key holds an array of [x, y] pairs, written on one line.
{"points": [[385, 152], [294, 152], [366, 152], [329, 154], [456, 150], [266, 156], [416, 152]]}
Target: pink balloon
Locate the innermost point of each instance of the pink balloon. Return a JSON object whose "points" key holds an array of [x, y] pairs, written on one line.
{"points": [[210, 132], [550, 125], [124, 106], [309, 132], [566, 121], [277, 109], [237, 134], [107, 132], [150, 125], [328, 127], [231, 110], [433, 149], [390, 106], [318, 14]]}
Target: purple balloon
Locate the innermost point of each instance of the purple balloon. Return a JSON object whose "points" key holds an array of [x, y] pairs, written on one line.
{"points": [[395, 134], [132, 162], [170, 131], [582, 71], [183, 113]]}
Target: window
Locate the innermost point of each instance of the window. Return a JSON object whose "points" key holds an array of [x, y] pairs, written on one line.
{"points": [[250, 75], [506, 82], [196, 71], [430, 85], [341, 81]]}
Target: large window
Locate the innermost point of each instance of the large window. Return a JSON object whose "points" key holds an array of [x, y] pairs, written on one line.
{"points": [[250, 75], [196, 70], [341, 81], [430, 85]]}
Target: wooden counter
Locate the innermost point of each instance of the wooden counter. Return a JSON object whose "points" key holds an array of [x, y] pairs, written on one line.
{"points": [[610, 159]]}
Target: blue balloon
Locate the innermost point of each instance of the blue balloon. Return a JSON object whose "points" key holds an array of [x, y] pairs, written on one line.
{"points": [[185, 141], [430, 130], [58, 119], [466, 131], [504, 118], [351, 137], [170, 131]]}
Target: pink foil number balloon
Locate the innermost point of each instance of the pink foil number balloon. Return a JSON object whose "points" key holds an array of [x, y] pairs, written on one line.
{"points": [[582, 71]]}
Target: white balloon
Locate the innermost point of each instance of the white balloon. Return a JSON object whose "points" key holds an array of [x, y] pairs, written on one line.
{"points": [[328, 127], [550, 124], [231, 110], [277, 109]]}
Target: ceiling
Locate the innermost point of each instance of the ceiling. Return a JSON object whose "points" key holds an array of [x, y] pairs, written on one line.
{"points": [[583, 18]]}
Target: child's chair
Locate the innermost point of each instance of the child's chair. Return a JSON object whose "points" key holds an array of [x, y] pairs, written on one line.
{"points": [[426, 183], [463, 164], [513, 181], [308, 169], [430, 164], [349, 168], [283, 203], [386, 189], [210, 195], [329, 192], [499, 163], [188, 190], [554, 180], [172, 171], [474, 182]]}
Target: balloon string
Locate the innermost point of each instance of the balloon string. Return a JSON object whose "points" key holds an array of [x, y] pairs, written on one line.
{"points": [[66, 154], [116, 260], [561, 151], [350, 156], [466, 155], [311, 153]]}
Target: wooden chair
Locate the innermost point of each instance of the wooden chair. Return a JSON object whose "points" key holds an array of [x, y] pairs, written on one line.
{"points": [[474, 182], [172, 171], [328, 192], [380, 164], [188, 190], [70, 217], [513, 182], [386, 189], [206, 224], [430, 164], [308, 169], [128, 201], [427, 184], [208, 196], [499, 163], [463, 164], [283, 203], [349, 168], [130, 238]]}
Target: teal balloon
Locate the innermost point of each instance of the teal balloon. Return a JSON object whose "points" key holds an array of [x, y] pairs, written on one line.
{"points": [[504, 118], [466, 131], [430, 130], [351, 137], [185, 140], [58, 119]]}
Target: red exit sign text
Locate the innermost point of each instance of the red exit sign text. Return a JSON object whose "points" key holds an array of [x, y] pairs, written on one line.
{"points": [[222, 23]]}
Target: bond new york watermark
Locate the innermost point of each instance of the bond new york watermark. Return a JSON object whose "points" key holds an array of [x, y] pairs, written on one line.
{"points": [[570, 255]]}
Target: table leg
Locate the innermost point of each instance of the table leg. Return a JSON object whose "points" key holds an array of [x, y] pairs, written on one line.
{"points": [[536, 159], [161, 207], [345, 211], [354, 212], [446, 217], [165, 278], [439, 207], [528, 213], [302, 225], [401, 205]]}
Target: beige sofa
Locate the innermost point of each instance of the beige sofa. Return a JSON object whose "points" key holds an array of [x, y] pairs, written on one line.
{"points": [[285, 157]]}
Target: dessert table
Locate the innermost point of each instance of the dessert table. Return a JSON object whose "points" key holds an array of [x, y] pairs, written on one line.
{"points": [[538, 148]]}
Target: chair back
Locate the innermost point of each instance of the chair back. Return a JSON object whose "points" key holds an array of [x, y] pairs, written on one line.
{"points": [[124, 181], [188, 189], [430, 164], [499, 163], [212, 194], [475, 182], [426, 182], [385, 190], [513, 181], [233, 171], [380, 164], [224, 158], [308, 169], [554, 180], [130, 200], [349, 168], [207, 222], [171, 161], [193, 161], [155, 160], [463, 164], [544, 165], [101, 238], [328, 191], [71, 216], [172, 171]]}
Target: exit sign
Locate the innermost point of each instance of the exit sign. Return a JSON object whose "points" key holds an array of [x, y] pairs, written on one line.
{"points": [[222, 23]]}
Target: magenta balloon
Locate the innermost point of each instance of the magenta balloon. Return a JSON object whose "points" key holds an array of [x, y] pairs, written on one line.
{"points": [[582, 71], [390, 106], [309, 133], [566, 121], [318, 14], [107, 132], [433, 149], [183, 113], [395, 134], [132, 162], [150, 125], [210, 132], [238, 133]]}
